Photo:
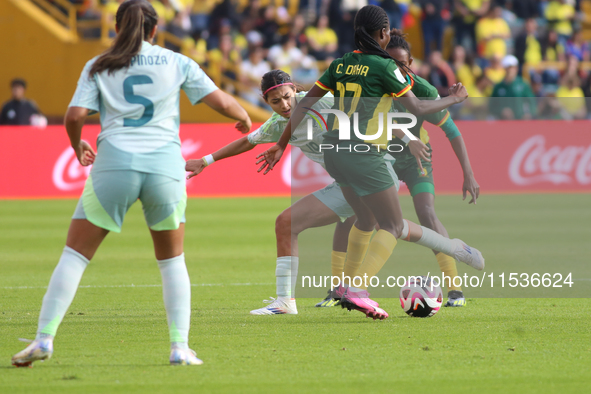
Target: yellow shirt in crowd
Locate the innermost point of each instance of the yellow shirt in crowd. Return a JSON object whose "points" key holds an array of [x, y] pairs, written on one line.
{"points": [[572, 100], [467, 76], [487, 28], [533, 51], [322, 38], [563, 13], [495, 75], [472, 5]]}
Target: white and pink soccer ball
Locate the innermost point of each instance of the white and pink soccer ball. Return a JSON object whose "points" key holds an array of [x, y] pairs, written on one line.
{"points": [[419, 297]]}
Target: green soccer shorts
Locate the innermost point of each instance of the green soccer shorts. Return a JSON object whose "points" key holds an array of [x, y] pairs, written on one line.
{"points": [[417, 182], [365, 172]]}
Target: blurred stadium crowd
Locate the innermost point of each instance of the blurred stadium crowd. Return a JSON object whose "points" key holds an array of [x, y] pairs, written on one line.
{"points": [[497, 48]]}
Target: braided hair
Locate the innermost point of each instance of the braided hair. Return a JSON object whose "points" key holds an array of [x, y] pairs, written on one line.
{"points": [[368, 20]]}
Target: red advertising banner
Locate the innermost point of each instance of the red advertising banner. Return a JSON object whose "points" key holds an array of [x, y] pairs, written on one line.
{"points": [[507, 157]]}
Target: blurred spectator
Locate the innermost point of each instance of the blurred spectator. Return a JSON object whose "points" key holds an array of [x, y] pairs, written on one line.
{"points": [[433, 24], [223, 61], [200, 14], [307, 70], [285, 55], [268, 27], [552, 49], [298, 30], [165, 12], [322, 40], [491, 33], [528, 49], [439, 73], [560, 15], [517, 97], [495, 72], [341, 14], [467, 13], [195, 47], [571, 97], [251, 72], [578, 47], [20, 111], [467, 72], [178, 28], [396, 9]]}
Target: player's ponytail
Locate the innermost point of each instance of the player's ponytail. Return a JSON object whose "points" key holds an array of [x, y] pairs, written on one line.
{"points": [[135, 20], [275, 78], [368, 20]]}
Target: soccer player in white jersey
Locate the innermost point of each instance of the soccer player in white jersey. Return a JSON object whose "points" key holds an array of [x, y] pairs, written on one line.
{"points": [[135, 86], [321, 208]]}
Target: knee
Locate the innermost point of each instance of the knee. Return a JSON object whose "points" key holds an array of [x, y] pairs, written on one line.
{"points": [[394, 227], [427, 216], [283, 224]]}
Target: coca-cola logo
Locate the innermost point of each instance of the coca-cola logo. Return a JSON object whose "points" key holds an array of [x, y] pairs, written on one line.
{"points": [[301, 173], [69, 175], [533, 163]]}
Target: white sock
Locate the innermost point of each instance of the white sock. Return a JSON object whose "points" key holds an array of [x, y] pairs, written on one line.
{"points": [[286, 274], [176, 288], [61, 291], [436, 241]]}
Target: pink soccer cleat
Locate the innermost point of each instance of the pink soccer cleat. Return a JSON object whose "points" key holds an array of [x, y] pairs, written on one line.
{"points": [[360, 301]]}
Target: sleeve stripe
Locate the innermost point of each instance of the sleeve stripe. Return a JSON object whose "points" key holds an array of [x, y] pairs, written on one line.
{"points": [[324, 87], [403, 91], [445, 118]]}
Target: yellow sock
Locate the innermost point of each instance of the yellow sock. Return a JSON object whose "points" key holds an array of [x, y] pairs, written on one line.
{"points": [[337, 263], [381, 247], [448, 268], [356, 249]]}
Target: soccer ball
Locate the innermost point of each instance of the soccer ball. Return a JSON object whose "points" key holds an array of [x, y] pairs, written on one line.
{"points": [[420, 298]]}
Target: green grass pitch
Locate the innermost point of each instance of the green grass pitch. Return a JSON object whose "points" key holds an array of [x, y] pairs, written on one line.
{"points": [[114, 338]]}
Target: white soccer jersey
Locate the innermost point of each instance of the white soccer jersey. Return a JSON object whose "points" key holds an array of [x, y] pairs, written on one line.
{"points": [[272, 129], [139, 108]]}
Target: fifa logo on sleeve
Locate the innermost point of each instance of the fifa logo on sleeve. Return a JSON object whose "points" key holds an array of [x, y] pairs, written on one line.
{"points": [[379, 139]]}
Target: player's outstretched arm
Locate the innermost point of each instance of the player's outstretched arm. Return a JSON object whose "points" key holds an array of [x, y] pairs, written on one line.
{"points": [[470, 185], [74, 120], [457, 94], [271, 156], [196, 166], [227, 105]]}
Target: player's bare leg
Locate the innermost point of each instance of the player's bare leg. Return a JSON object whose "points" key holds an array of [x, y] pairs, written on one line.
{"points": [[307, 212], [425, 208], [366, 258]]}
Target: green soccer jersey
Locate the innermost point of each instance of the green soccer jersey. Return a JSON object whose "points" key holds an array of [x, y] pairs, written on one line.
{"points": [[372, 78], [423, 90]]}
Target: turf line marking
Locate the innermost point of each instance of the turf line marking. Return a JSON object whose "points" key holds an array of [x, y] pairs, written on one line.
{"points": [[132, 285]]}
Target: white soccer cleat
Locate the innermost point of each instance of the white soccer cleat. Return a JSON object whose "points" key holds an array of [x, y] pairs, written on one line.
{"points": [[279, 306], [469, 255], [38, 350], [184, 357]]}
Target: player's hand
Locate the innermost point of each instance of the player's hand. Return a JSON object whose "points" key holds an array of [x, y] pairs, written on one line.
{"points": [[420, 151], [472, 187], [85, 153], [194, 166], [269, 158], [459, 92], [244, 126]]}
